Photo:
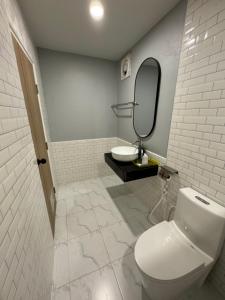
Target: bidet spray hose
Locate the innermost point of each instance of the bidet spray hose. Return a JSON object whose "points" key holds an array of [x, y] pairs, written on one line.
{"points": [[163, 197]]}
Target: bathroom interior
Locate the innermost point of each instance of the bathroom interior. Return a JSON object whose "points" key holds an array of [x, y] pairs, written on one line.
{"points": [[112, 150]]}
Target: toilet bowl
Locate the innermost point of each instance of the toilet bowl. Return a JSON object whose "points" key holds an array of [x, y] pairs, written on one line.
{"points": [[169, 262], [178, 255]]}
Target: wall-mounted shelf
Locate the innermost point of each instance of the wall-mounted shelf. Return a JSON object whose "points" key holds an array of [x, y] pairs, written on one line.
{"points": [[127, 171]]}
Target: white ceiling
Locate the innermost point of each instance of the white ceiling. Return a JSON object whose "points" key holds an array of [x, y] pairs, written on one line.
{"points": [[65, 25]]}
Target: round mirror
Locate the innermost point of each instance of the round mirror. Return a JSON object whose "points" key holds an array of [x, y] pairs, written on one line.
{"points": [[146, 95]]}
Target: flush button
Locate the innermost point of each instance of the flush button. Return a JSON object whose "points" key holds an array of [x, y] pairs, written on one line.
{"points": [[202, 200]]}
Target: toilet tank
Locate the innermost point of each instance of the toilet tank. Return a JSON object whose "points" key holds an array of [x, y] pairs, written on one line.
{"points": [[202, 220]]}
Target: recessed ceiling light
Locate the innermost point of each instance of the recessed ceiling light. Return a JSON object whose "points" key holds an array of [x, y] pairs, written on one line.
{"points": [[96, 10]]}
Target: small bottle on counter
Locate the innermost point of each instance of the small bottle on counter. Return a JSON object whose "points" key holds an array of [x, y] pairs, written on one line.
{"points": [[144, 159]]}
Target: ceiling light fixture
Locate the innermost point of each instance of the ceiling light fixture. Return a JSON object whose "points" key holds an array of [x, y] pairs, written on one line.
{"points": [[96, 10]]}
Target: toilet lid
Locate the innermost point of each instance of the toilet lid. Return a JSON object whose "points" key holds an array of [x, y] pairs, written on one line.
{"points": [[164, 253]]}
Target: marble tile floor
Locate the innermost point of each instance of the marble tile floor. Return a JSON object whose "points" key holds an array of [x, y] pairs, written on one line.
{"points": [[96, 230]]}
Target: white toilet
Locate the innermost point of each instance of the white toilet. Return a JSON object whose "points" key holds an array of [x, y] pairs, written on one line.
{"points": [[177, 255]]}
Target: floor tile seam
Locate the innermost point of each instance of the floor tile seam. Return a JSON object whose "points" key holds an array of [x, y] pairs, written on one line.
{"points": [[93, 207], [68, 198], [119, 258], [105, 245], [116, 259], [64, 285], [78, 213], [67, 227], [76, 238], [81, 236], [112, 262], [105, 248], [100, 228], [117, 280], [74, 193], [83, 276]]}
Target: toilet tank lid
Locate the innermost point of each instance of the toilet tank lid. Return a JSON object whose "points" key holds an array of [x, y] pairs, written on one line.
{"points": [[203, 202]]}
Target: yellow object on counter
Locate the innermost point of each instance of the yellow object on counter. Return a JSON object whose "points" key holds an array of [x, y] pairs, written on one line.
{"points": [[153, 162]]}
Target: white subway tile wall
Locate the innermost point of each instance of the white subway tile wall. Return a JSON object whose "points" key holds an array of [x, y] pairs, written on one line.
{"points": [[197, 137], [26, 244], [80, 159], [84, 159]]}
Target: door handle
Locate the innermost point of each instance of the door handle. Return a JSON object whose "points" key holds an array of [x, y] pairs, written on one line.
{"points": [[41, 161]]}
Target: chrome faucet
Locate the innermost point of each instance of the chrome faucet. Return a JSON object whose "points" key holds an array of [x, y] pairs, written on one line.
{"points": [[140, 147]]}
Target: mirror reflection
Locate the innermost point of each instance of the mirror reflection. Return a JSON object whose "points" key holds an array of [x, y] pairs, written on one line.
{"points": [[146, 95]]}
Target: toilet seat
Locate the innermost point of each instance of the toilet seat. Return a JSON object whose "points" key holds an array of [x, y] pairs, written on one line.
{"points": [[165, 254]]}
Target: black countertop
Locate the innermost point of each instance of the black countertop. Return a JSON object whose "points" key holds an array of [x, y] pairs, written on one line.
{"points": [[127, 171]]}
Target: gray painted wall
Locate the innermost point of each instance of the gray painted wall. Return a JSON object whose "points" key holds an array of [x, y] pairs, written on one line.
{"points": [[79, 92], [163, 42]]}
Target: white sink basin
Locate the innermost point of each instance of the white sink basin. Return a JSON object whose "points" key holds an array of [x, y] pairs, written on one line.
{"points": [[124, 153]]}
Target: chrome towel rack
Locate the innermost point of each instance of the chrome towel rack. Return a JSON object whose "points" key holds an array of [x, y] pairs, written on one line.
{"points": [[121, 105]]}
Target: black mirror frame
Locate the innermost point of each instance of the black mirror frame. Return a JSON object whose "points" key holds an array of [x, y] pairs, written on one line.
{"points": [[157, 97]]}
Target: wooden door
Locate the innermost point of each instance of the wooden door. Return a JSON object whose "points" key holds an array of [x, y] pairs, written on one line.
{"points": [[30, 92]]}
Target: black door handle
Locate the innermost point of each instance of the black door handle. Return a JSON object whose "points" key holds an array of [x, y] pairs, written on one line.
{"points": [[41, 161]]}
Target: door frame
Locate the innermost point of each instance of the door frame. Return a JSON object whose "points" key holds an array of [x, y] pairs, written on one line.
{"points": [[15, 37], [13, 33]]}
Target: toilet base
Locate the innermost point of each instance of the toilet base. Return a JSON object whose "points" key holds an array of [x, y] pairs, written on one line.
{"points": [[171, 291]]}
